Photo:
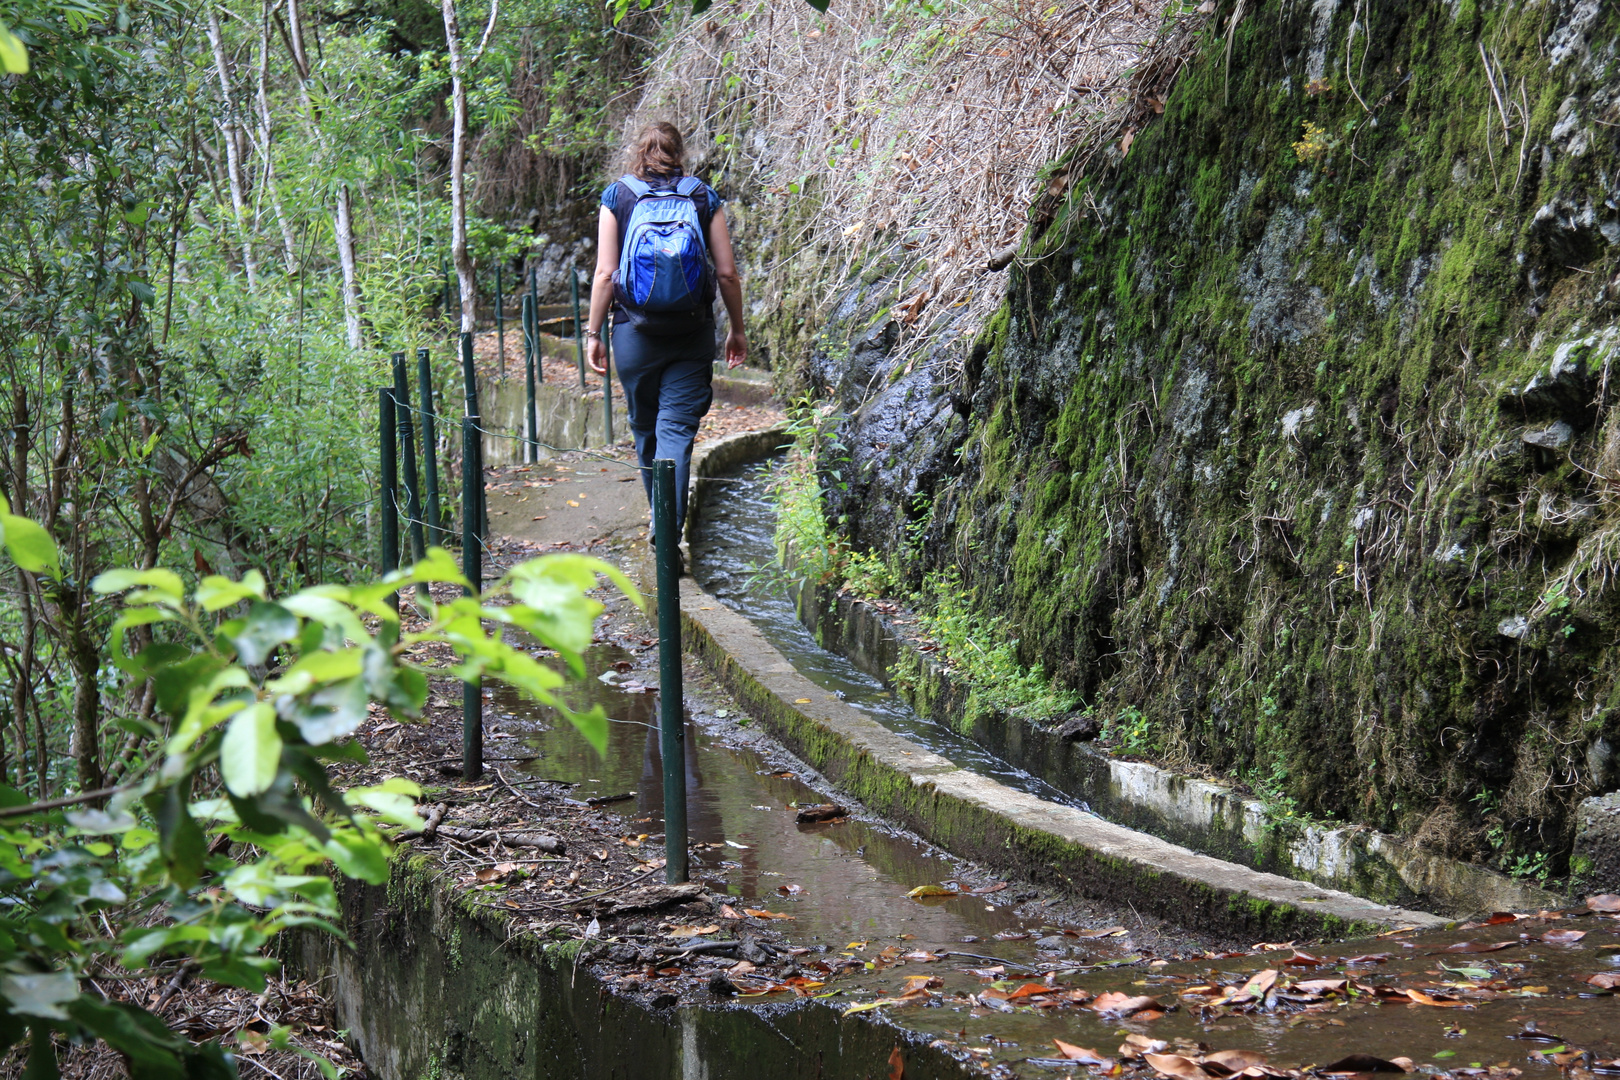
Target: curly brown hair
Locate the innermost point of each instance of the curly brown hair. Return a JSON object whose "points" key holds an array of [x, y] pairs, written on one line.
{"points": [[658, 151]]}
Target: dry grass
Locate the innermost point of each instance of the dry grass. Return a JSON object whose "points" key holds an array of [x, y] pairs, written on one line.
{"points": [[928, 129]]}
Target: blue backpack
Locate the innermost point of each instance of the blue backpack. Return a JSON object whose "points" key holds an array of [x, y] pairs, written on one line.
{"points": [[664, 280]]}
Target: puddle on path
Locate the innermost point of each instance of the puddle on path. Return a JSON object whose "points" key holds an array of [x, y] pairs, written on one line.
{"points": [[854, 874]]}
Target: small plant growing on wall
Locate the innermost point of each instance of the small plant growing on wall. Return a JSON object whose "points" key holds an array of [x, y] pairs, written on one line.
{"points": [[1314, 145]]}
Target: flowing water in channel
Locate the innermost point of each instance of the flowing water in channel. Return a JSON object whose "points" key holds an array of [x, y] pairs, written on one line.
{"points": [[852, 878], [735, 543]]}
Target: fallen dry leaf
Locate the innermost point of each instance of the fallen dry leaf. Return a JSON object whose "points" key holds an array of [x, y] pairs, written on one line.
{"points": [[1135, 1046], [1081, 1054], [1560, 937], [1175, 1065], [1440, 1002], [760, 913], [1365, 1063], [1607, 980], [1604, 902], [1473, 947], [1258, 986], [897, 1064], [1319, 986], [931, 890], [1234, 1060], [1118, 1004], [692, 931]]}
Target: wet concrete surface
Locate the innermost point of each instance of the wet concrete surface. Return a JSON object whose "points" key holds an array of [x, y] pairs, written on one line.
{"points": [[839, 881], [845, 885]]}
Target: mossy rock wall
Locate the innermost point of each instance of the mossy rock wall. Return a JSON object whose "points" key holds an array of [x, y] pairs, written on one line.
{"points": [[1294, 431]]}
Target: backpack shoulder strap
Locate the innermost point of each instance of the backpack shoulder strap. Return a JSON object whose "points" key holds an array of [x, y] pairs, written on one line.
{"points": [[688, 186], [638, 187]]}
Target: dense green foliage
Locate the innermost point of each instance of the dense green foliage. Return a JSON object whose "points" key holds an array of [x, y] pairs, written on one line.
{"points": [[186, 367], [216, 841], [222, 218]]}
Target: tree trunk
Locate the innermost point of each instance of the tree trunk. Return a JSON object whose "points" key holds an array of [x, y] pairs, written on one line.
{"points": [[233, 154], [458, 168], [287, 240], [86, 661], [351, 286]]}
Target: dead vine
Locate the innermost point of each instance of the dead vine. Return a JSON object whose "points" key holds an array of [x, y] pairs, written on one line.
{"points": [[924, 132]]}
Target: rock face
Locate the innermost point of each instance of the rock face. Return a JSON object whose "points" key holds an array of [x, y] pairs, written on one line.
{"points": [[1302, 445], [1597, 842]]}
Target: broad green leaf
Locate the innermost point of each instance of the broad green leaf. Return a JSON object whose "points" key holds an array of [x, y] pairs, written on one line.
{"points": [[13, 53], [316, 668], [320, 605], [164, 581], [138, 616], [264, 627], [215, 592], [364, 857], [143, 943], [329, 713], [593, 726], [390, 806], [40, 995], [201, 711], [31, 547], [438, 565], [251, 750], [181, 840]]}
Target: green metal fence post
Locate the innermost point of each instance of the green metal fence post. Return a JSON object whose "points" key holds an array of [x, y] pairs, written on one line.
{"points": [[671, 694], [388, 483], [407, 446], [472, 533], [469, 375], [531, 352], [500, 321], [607, 387], [579, 340], [430, 450]]}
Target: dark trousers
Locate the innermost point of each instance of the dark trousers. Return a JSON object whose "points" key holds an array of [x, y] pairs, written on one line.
{"points": [[668, 389]]}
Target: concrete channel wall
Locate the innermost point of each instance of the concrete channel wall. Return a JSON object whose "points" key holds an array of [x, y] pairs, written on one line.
{"points": [[439, 986], [979, 818], [566, 417], [1202, 815]]}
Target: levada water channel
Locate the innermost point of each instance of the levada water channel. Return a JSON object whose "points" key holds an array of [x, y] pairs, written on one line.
{"points": [[983, 980]]}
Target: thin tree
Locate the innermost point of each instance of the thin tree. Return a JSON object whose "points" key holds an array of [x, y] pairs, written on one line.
{"points": [[230, 129], [458, 154]]}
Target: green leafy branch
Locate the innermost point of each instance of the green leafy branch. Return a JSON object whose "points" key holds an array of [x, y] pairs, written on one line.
{"points": [[256, 696]]}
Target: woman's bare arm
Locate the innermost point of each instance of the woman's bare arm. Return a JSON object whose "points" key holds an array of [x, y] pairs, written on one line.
{"points": [[730, 282], [607, 261]]}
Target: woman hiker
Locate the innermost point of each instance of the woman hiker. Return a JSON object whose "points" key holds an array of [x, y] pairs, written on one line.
{"points": [[662, 248]]}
